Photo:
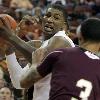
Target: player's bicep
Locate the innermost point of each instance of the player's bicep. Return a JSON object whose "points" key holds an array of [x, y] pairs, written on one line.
{"points": [[48, 63]]}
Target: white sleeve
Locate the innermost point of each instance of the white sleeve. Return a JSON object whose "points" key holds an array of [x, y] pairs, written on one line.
{"points": [[15, 70], [62, 33]]}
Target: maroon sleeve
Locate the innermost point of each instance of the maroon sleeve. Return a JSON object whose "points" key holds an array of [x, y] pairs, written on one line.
{"points": [[46, 66]]}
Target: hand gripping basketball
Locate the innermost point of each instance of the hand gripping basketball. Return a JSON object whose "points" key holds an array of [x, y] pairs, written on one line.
{"points": [[6, 27]]}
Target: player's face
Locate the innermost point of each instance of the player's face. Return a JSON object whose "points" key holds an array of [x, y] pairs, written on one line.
{"points": [[53, 21]]}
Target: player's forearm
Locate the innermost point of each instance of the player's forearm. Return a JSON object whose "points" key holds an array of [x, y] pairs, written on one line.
{"points": [[21, 77], [15, 70], [23, 47], [30, 77]]}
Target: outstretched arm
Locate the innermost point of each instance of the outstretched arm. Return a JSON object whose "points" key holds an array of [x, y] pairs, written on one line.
{"points": [[15, 70], [17, 73]]}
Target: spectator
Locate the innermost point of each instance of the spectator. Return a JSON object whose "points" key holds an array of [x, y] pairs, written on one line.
{"points": [[6, 94], [29, 28], [2, 80], [21, 4], [96, 7]]}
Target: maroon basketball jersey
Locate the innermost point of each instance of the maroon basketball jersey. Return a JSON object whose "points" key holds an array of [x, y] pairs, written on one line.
{"points": [[75, 74]]}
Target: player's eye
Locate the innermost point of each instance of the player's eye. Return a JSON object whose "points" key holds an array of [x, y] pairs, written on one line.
{"points": [[28, 23], [48, 15], [56, 17]]}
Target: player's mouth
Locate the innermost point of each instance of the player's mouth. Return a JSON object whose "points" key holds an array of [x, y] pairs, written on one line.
{"points": [[4, 98], [48, 28]]}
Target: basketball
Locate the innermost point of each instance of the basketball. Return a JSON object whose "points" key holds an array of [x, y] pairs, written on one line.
{"points": [[9, 20], [12, 24]]}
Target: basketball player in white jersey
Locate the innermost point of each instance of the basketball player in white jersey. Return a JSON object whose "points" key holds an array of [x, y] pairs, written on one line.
{"points": [[55, 28]]}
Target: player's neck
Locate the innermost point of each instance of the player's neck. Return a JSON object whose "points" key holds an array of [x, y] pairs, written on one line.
{"points": [[47, 37], [93, 47]]}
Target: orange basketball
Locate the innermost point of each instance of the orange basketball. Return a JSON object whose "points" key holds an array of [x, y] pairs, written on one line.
{"points": [[9, 20], [11, 23]]}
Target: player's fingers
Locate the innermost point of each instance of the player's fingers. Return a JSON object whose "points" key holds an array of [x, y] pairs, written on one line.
{"points": [[4, 24]]}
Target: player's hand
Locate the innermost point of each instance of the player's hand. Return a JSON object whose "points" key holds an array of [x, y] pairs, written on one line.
{"points": [[5, 30], [4, 46], [38, 55]]}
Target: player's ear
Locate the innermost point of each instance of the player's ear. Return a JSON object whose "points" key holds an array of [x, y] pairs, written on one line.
{"points": [[65, 26], [99, 47]]}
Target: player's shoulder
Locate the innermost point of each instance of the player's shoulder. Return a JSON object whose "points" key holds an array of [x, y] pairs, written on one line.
{"points": [[63, 50], [58, 38], [63, 39], [70, 49]]}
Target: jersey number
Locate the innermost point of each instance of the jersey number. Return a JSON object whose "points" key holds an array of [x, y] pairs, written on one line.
{"points": [[88, 87]]}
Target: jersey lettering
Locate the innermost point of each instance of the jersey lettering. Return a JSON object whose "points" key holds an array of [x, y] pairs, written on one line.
{"points": [[88, 88]]}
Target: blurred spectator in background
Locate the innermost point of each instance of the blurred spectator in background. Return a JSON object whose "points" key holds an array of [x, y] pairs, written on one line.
{"points": [[38, 12], [21, 8], [1, 72], [70, 9], [79, 12], [6, 94], [6, 3], [4, 9], [87, 11], [90, 2], [0, 2], [98, 15], [62, 2], [29, 28], [96, 7], [2, 80], [21, 4], [2, 83]]}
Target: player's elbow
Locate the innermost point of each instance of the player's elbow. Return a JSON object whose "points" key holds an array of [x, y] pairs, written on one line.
{"points": [[24, 83]]}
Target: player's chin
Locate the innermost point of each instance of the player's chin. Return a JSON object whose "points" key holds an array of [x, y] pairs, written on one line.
{"points": [[48, 32]]}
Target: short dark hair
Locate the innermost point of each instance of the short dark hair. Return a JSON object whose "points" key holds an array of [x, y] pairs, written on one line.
{"points": [[62, 8], [90, 29]]}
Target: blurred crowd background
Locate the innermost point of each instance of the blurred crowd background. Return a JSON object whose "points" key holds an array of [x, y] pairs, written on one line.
{"points": [[25, 14]]}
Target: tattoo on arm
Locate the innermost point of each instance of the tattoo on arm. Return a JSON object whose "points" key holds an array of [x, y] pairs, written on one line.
{"points": [[30, 77]]}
